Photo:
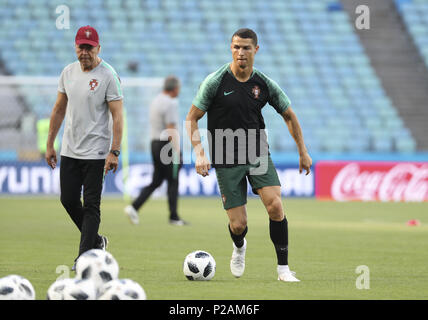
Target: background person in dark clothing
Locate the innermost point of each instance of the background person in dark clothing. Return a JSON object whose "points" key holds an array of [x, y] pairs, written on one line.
{"points": [[165, 151]]}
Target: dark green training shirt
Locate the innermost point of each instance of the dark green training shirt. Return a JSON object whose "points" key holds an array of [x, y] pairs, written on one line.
{"points": [[234, 111]]}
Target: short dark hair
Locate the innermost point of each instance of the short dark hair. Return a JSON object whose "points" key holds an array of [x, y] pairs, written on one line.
{"points": [[246, 33], [170, 83]]}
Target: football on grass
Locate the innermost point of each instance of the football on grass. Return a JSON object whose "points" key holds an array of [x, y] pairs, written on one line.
{"points": [[79, 289], [199, 265], [15, 287], [97, 265], [122, 289], [56, 289]]}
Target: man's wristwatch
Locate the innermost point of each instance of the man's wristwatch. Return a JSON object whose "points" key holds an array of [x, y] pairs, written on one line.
{"points": [[115, 152]]}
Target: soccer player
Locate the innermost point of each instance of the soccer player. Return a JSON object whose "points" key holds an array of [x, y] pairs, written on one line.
{"points": [[89, 91], [233, 97], [165, 145]]}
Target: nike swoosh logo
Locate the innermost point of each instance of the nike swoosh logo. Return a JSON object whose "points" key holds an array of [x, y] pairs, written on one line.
{"points": [[227, 93]]}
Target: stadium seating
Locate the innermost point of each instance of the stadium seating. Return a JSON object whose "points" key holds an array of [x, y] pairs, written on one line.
{"points": [[308, 47], [415, 17]]}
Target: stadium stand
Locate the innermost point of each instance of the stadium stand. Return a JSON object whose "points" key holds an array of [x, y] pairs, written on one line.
{"points": [[415, 15], [308, 47]]}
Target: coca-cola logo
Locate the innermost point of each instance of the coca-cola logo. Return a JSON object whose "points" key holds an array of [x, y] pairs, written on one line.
{"points": [[401, 182]]}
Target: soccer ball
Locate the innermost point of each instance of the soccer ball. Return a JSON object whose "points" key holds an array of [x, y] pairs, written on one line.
{"points": [[199, 265], [56, 290], [14, 287], [79, 289], [97, 265], [25, 287], [122, 289], [9, 289]]}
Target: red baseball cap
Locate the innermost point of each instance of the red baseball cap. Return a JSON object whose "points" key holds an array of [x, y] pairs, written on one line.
{"points": [[87, 35]]}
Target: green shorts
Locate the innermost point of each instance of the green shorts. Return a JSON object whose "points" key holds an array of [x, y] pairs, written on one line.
{"points": [[233, 181]]}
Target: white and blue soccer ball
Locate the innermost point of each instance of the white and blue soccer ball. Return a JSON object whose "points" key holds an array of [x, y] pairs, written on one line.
{"points": [[199, 265], [122, 289], [79, 289], [56, 290], [15, 287], [9, 289], [98, 266]]}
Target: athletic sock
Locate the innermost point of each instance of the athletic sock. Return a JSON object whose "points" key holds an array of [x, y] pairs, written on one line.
{"points": [[279, 235], [238, 239], [282, 269]]}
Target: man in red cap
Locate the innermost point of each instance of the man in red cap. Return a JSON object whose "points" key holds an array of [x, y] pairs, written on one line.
{"points": [[87, 47], [89, 90]]}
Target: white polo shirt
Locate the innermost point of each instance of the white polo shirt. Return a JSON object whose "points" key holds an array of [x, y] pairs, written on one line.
{"points": [[163, 111], [88, 125]]}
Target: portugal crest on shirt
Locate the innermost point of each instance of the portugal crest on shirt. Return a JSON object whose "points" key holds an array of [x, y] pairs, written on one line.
{"points": [[93, 84], [256, 92]]}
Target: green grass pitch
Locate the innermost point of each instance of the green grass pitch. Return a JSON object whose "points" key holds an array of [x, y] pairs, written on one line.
{"points": [[327, 242]]}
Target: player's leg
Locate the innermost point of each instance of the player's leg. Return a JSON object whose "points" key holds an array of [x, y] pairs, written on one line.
{"points": [[172, 192], [278, 229], [233, 187], [266, 184], [93, 173], [146, 192], [157, 177], [71, 189], [238, 230], [238, 224], [278, 226], [71, 182]]}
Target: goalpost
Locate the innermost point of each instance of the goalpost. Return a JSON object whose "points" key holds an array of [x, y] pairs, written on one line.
{"points": [[29, 99]]}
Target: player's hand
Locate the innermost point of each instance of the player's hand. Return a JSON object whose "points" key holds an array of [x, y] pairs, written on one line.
{"points": [[51, 157], [202, 165], [305, 163], [112, 162]]}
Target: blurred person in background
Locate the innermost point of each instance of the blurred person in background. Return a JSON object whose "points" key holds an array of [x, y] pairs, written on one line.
{"points": [[166, 155], [42, 136]]}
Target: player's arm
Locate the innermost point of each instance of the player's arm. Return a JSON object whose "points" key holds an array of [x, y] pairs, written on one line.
{"points": [[202, 163], [57, 117], [116, 109], [295, 130]]}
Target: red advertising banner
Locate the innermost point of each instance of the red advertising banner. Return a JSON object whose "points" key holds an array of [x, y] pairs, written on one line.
{"points": [[371, 181]]}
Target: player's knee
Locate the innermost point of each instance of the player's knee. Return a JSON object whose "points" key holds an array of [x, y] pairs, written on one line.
{"points": [[92, 208], [156, 184], [238, 226], [274, 209]]}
